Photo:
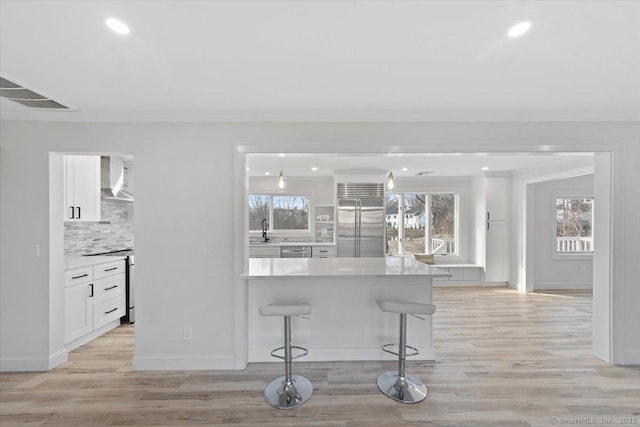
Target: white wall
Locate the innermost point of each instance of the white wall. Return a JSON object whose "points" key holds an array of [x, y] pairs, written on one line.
{"points": [[552, 271], [185, 272]]}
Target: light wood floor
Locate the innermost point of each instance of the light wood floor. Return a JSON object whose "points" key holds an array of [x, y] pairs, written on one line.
{"points": [[504, 359]]}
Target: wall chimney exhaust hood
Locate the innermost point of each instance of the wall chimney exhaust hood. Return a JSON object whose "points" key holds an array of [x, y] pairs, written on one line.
{"points": [[112, 179]]}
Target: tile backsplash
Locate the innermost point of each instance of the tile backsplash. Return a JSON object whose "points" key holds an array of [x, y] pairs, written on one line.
{"points": [[114, 231]]}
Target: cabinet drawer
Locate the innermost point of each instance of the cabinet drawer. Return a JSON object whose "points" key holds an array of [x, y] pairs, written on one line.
{"points": [[323, 251], [107, 311], [108, 269], [79, 275], [108, 287]]}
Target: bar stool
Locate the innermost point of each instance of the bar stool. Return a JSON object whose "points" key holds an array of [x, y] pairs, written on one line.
{"points": [[400, 386], [288, 391]]}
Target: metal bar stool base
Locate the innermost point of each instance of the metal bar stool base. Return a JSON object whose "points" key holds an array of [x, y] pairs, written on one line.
{"points": [[281, 395], [407, 390]]}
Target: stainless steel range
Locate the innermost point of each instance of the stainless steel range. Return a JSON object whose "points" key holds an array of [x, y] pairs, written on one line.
{"points": [[130, 306]]}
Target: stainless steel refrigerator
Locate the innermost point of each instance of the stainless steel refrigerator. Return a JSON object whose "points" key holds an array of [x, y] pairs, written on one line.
{"points": [[361, 220]]}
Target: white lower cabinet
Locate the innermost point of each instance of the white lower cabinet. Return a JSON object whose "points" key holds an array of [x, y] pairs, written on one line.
{"points": [[323, 252], [78, 311], [95, 303], [107, 311], [264, 251]]}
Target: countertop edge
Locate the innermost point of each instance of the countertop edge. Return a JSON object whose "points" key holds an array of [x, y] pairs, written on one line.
{"points": [[79, 261]]}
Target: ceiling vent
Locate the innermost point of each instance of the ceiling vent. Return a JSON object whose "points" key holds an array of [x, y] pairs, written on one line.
{"points": [[423, 173], [27, 97]]}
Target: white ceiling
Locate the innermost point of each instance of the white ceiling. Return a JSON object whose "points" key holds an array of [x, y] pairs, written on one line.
{"points": [[324, 60], [440, 164]]}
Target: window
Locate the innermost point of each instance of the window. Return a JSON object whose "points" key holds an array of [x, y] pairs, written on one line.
{"points": [[406, 223], [290, 212], [574, 225], [259, 208]]}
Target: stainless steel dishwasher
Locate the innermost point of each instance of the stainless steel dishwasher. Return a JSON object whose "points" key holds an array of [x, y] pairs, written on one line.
{"points": [[295, 252]]}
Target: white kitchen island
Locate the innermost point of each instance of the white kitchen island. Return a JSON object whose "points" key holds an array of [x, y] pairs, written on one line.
{"points": [[346, 322]]}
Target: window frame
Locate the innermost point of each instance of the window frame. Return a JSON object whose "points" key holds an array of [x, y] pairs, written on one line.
{"points": [[554, 224], [272, 231], [457, 194]]}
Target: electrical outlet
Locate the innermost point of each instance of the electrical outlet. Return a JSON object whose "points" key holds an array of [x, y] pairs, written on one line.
{"points": [[188, 333], [35, 250]]}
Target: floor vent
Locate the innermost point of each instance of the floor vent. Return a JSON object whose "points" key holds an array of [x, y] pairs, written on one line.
{"points": [[27, 97]]}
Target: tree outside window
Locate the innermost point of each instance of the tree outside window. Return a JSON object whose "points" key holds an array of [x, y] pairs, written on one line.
{"points": [[574, 225], [290, 212], [258, 210]]}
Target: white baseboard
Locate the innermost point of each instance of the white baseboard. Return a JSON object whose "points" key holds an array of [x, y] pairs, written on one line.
{"points": [[632, 356], [34, 364], [58, 358], [553, 286], [340, 354], [454, 284], [182, 362], [92, 335]]}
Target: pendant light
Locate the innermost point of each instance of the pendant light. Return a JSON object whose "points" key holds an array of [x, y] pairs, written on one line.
{"points": [[390, 181], [281, 180]]}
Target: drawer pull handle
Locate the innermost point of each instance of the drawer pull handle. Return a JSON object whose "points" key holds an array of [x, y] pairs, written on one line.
{"points": [[110, 269], [91, 295], [79, 277], [111, 311], [112, 287]]}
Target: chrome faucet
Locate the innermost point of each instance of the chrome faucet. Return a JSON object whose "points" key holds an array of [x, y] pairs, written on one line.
{"points": [[264, 230]]}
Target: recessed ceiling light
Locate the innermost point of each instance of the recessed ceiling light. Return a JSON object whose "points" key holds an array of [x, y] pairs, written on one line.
{"points": [[519, 29], [267, 173], [485, 168], [314, 168], [405, 169], [117, 26]]}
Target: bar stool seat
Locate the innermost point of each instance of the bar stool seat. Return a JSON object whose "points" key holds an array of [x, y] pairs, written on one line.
{"points": [[398, 385], [288, 391]]}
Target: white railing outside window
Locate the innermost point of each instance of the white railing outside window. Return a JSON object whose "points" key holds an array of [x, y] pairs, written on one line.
{"points": [[441, 246], [574, 244]]}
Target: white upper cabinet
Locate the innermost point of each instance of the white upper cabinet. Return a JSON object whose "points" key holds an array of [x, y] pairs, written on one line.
{"points": [[82, 188], [497, 199]]}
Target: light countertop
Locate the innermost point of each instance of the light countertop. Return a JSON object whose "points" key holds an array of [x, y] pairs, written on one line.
{"points": [[72, 262], [340, 267]]}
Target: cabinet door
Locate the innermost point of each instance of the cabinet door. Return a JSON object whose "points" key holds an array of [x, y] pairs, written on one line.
{"points": [[86, 187], [82, 188], [497, 199], [78, 311], [497, 269], [69, 208]]}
